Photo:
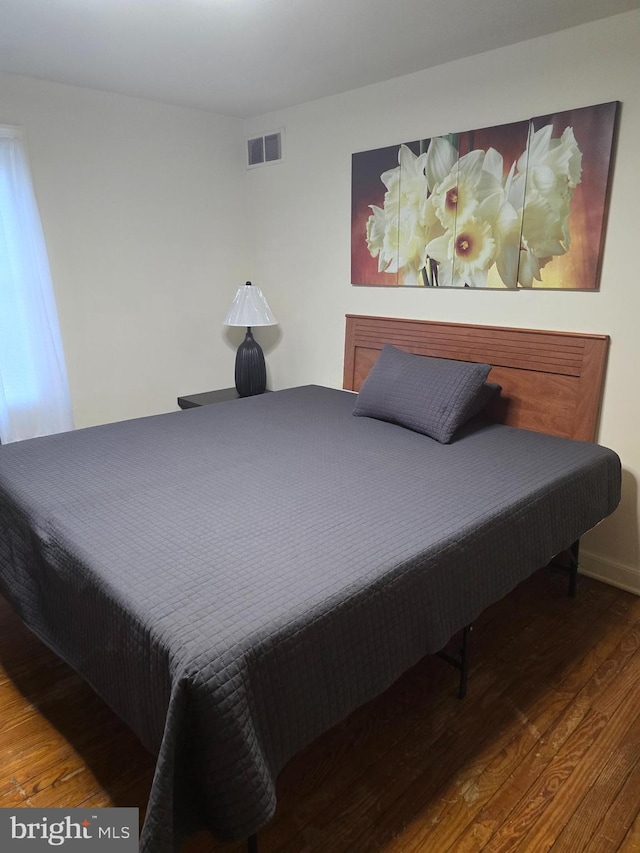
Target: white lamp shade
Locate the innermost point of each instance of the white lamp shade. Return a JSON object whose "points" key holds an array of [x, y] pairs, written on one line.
{"points": [[249, 308]]}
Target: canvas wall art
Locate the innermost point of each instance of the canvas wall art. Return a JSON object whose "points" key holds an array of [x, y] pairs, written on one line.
{"points": [[520, 205]]}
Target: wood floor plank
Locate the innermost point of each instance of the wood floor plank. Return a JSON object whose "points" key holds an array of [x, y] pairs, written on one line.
{"points": [[631, 841], [515, 793], [576, 696], [618, 820], [548, 833], [595, 733], [469, 790], [600, 793]]}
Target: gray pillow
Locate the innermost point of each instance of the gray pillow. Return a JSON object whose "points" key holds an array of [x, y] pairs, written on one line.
{"points": [[488, 392], [428, 395]]}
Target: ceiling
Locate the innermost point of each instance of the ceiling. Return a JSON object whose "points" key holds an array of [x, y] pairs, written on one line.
{"points": [[248, 57]]}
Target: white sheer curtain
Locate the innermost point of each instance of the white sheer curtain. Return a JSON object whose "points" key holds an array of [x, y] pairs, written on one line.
{"points": [[34, 393]]}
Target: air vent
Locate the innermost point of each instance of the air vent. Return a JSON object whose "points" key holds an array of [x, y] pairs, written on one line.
{"points": [[264, 149]]}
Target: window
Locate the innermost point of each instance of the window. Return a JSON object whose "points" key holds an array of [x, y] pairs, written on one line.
{"points": [[34, 394]]}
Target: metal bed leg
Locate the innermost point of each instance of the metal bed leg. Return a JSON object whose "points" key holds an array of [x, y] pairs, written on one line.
{"points": [[574, 553], [567, 561], [461, 663], [464, 662], [252, 844]]}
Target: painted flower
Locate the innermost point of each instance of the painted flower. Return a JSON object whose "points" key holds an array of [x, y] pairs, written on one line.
{"points": [[376, 226], [472, 204], [441, 158], [501, 206], [553, 168], [456, 197], [466, 255], [398, 233], [551, 163]]}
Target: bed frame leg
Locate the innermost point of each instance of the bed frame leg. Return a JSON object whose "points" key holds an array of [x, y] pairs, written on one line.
{"points": [[574, 553], [252, 844], [464, 662], [461, 662], [568, 561]]}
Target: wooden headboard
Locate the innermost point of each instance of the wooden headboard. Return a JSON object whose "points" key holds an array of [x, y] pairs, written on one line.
{"points": [[551, 381]]}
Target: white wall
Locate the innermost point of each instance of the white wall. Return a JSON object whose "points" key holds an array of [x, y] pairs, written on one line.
{"points": [[143, 207], [300, 213]]}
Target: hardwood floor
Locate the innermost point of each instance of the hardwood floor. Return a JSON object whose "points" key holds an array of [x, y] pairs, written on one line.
{"points": [[543, 754]]}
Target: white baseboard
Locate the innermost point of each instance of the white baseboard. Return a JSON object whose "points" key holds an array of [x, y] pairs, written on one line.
{"points": [[609, 571]]}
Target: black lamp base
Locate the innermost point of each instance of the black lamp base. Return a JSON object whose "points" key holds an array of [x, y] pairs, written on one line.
{"points": [[251, 371]]}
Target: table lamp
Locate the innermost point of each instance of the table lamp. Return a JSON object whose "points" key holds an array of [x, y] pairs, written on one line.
{"points": [[250, 308]]}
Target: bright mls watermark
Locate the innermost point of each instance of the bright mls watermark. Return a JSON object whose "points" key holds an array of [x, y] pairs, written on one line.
{"points": [[82, 830]]}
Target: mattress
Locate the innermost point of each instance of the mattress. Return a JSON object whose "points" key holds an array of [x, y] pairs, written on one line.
{"points": [[234, 579]]}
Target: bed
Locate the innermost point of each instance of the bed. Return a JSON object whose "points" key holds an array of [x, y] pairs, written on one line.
{"points": [[235, 579]]}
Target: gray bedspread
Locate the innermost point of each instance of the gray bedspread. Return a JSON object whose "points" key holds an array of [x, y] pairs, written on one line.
{"points": [[235, 579]]}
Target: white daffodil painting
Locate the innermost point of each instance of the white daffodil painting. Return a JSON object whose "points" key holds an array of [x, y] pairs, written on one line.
{"points": [[515, 206]]}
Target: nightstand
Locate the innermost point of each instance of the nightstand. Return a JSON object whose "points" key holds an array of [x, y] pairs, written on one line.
{"points": [[220, 396]]}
